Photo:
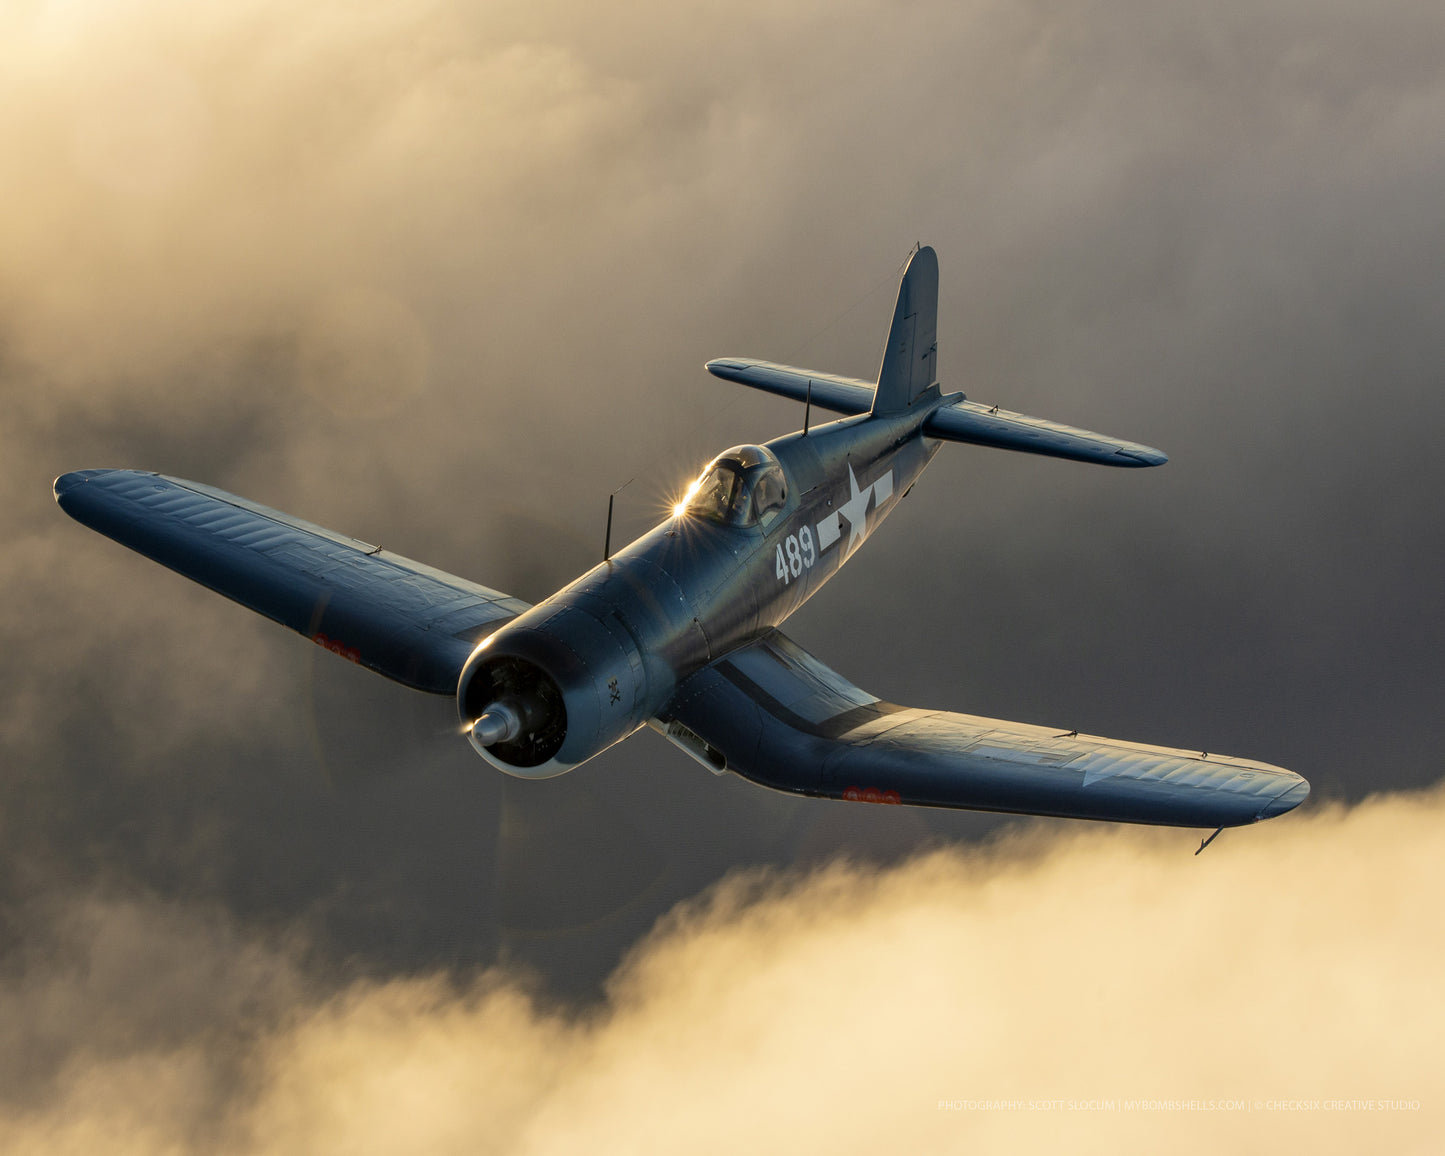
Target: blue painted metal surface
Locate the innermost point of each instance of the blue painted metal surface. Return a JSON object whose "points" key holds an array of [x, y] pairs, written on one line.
{"points": [[797, 726], [400, 618]]}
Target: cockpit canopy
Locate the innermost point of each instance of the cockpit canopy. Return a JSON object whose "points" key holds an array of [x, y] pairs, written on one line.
{"points": [[742, 487]]}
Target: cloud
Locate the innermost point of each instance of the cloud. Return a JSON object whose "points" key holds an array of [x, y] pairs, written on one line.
{"points": [[846, 1010]]}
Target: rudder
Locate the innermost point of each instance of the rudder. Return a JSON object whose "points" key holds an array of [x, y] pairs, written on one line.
{"points": [[910, 360]]}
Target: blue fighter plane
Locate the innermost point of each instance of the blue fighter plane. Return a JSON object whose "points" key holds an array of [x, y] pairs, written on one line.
{"points": [[680, 630]]}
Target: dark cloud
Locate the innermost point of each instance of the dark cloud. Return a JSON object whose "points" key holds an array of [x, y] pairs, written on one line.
{"points": [[1215, 230]]}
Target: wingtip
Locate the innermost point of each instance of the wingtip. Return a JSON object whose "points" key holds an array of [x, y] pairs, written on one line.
{"points": [[1288, 799], [67, 484]]}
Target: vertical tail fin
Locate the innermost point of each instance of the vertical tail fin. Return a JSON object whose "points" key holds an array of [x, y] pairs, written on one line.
{"points": [[910, 361]]}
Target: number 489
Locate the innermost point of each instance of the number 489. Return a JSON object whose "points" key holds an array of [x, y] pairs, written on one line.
{"points": [[796, 553]]}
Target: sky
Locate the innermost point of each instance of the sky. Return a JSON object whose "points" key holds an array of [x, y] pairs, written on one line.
{"points": [[442, 276]]}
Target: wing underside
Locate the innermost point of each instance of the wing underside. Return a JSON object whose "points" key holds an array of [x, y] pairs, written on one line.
{"points": [[778, 716], [964, 421], [405, 620]]}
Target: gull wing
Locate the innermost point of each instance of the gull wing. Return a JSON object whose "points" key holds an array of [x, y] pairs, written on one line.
{"points": [[776, 715], [400, 618], [963, 421]]}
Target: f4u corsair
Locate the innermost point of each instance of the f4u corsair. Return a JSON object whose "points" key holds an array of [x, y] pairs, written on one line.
{"points": [[679, 630]]}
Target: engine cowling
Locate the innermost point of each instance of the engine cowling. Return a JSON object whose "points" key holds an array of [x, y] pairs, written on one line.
{"points": [[551, 690]]}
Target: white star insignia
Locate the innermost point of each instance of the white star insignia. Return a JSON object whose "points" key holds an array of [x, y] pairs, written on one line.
{"points": [[855, 509]]}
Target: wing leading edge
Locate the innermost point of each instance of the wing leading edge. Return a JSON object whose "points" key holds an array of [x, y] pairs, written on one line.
{"points": [[405, 620], [781, 718], [964, 421]]}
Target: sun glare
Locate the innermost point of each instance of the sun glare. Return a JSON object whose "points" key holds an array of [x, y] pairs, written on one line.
{"points": [[681, 507]]}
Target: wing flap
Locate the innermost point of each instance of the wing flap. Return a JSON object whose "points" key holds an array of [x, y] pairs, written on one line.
{"points": [[403, 619], [809, 732]]}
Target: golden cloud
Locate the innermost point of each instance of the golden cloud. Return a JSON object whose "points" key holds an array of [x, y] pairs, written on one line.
{"points": [[1078, 988]]}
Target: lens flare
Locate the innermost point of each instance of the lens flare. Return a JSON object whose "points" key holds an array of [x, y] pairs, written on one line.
{"points": [[681, 507]]}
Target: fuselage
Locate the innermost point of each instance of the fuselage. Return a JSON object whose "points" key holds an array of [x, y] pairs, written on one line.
{"points": [[617, 641]]}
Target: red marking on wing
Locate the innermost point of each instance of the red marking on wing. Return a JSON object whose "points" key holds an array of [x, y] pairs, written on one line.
{"points": [[350, 653], [872, 795]]}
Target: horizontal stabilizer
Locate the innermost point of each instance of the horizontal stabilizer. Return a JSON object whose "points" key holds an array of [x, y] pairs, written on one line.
{"points": [[405, 620], [845, 395], [981, 425], [964, 421]]}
